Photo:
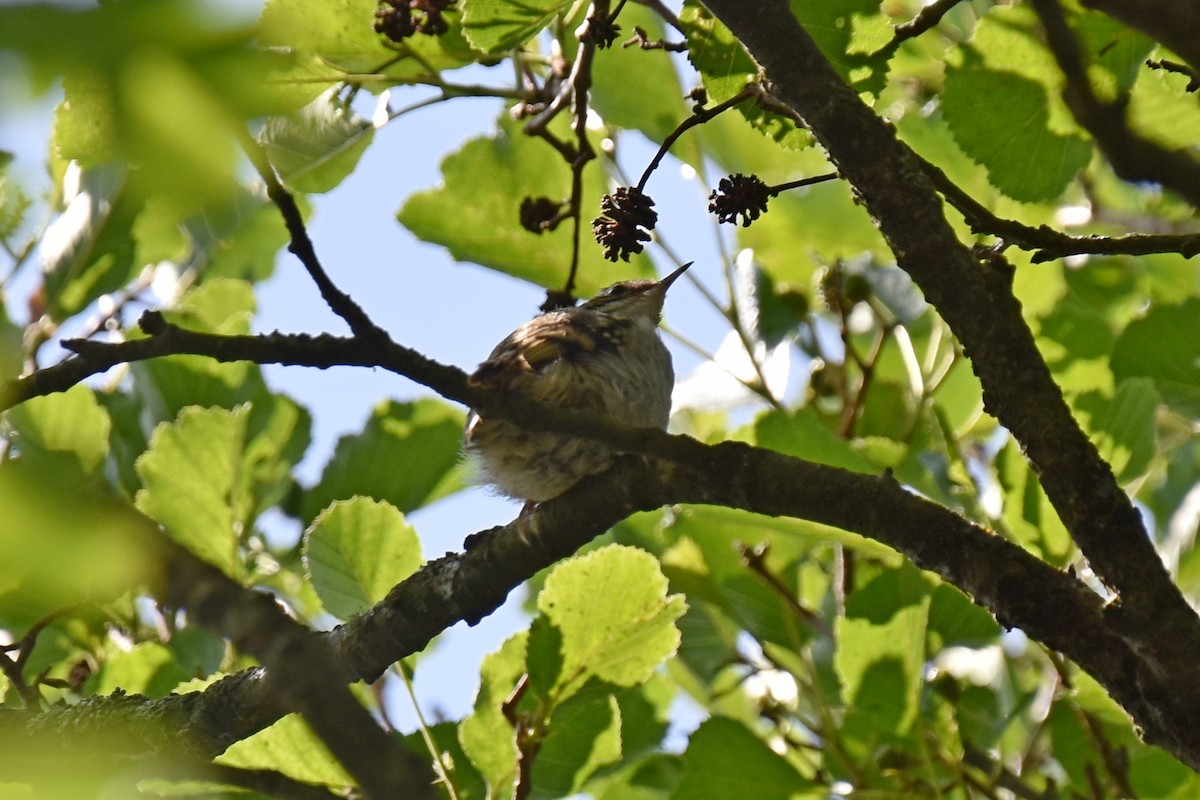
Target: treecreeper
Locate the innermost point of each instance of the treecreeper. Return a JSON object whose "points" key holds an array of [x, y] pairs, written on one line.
{"points": [[605, 356]]}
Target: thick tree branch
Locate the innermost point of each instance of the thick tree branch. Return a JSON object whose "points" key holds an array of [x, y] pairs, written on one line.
{"points": [[302, 671], [1020, 590], [978, 304]]}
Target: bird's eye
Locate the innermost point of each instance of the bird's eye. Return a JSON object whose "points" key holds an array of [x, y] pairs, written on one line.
{"points": [[617, 289]]}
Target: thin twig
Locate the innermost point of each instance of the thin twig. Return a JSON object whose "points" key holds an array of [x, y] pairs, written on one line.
{"points": [[14, 668], [778, 189], [644, 42], [1168, 65], [867, 367], [1047, 243], [667, 14], [699, 117], [444, 770], [575, 89], [302, 247], [755, 558], [926, 19]]}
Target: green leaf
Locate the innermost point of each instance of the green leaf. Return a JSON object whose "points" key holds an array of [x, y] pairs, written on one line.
{"points": [[614, 616], [197, 652], [1159, 110], [957, 621], [1012, 139], [191, 474], [331, 42], [127, 439], [407, 455], [1163, 346], [802, 434], [238, 240], [315, 148], [881, 648], [1028, 515], [478, 220], [11, 347], [89, 250], [467, 781], [645, 714], [146, 668], [494, 26], [652, 778], [1117, 54], [709, 641], [1124, 427], [291, 748], [168, 110], [355, 551], [486, 736], [704, 561], [1000, 102], [584, 735], [849, 33], [760, 309], [725, 760], [14, 203], [338, 33], [278, 430], [89, 547], [68, 422]]}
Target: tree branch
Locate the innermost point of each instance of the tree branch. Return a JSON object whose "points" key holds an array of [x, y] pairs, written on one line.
{"points": [[1020, 590], [1049, 244], [977, 302], [301, 670]]}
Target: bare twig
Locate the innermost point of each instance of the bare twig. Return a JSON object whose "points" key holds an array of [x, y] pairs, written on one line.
{"points": [[699, 117], [1167, 65], [667, 14], [756, 559], [1048, 243], [926, 19], [14, 668], [575, 90], [780, 188], [640, 39], [302, 246]]}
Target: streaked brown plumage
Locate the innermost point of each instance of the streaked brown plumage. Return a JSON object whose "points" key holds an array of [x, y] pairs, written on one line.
{"points": [[605, 355]]}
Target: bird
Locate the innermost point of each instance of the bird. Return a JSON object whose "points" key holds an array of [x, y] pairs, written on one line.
{"points": [[605, 356]]}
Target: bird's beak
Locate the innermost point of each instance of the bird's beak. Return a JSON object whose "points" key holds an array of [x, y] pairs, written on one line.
{"points": [[667, 281]]}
